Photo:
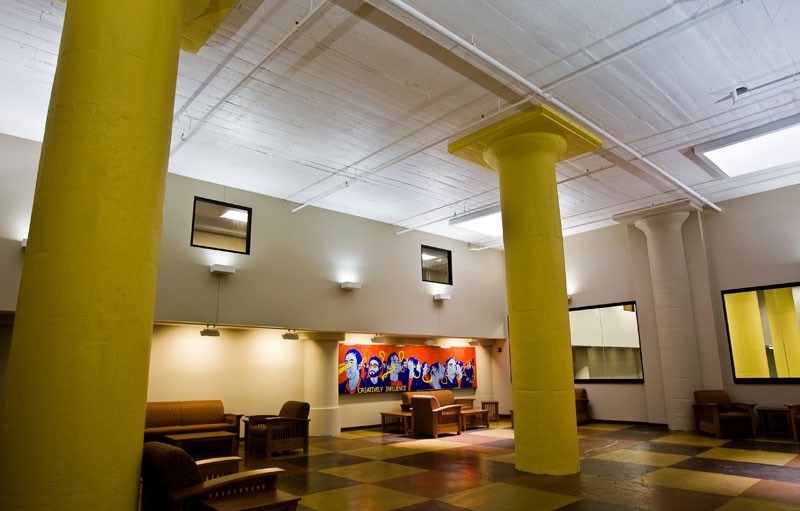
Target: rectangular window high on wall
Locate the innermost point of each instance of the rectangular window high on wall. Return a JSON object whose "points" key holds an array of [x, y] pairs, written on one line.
{"points": [[763, 325], [605, 344], [221, 226], [437, 265]]}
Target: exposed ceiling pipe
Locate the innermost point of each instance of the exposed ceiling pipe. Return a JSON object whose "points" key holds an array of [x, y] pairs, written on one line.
{"points": [[510, 73], [292, 33], [647, 41]]}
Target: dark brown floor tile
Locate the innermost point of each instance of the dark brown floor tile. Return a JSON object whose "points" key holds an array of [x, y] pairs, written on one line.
{"points": [[738, 468], [503, 443], [436, 484], [649, 498], [328, 460], [764, 445], [565, 485], [459, 461], [593, 505], [776, 491], [312, 482], [667, 448], [614, 469]]}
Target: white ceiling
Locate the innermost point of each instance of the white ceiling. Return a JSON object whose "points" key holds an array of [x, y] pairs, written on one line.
{"points": [[349, 105]]}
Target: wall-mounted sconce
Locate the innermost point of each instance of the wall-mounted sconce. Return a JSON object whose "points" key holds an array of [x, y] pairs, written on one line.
{"points": [[351, 285], [23, 243], [209, 332], [291, 335], [430, 342], [569, 298], [222, 268], [474, 342], [440, 297], [378, 339]]}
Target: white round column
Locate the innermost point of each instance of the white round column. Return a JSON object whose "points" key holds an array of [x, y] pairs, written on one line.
{"points": [[680, 360], [321, 391]]}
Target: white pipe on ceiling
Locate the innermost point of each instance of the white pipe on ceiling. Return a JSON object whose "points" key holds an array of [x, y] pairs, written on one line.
{"points": [[510, 73]]}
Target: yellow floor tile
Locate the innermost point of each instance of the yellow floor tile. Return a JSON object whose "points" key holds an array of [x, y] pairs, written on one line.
{"points": [[764, 457], [720, 484], [372, 471], [365, 497], [603, 426], [494, 433], [691, 439], [507, 497], [743, 504], [360, 433], [656, 459]]}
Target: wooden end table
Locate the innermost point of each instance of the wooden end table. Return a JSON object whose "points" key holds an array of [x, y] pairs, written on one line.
{"points": [[397, 418], [210, 444], [494, 409], [774, 421], [474, 417]]}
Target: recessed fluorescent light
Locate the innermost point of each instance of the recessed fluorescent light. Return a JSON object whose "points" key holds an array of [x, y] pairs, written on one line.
{"points": [[486, 221], [428, 257], [235, 214], [772, 145]]}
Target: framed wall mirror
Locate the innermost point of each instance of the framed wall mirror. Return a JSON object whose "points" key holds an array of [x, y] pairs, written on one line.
{"points": [[763, 325], [221, 226], [605, 343], [437, 265]]}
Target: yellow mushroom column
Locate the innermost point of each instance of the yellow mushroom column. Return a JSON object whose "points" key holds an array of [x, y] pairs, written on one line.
{"points": [[76, 384], [524, 149]]}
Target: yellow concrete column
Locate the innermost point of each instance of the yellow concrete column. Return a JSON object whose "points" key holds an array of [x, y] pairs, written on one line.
{"points": [[76, 384], [524, 150]]}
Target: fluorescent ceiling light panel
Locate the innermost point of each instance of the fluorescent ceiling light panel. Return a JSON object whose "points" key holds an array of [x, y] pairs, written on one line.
{"points": [[235, 214], [485, 221], [772, 145]]}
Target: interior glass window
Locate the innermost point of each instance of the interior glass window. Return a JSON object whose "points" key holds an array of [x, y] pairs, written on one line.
{"points": [[436, 265], [605, 343], [221, 226], [763, 326]]}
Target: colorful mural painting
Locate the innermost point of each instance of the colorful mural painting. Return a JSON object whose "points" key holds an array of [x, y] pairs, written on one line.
{"points": [[377, 368]]}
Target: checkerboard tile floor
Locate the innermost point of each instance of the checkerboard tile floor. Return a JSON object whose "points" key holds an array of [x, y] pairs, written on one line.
{"points": [[623, 468]]}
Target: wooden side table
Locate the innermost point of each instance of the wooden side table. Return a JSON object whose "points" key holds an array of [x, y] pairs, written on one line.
{"points": [[398, 417], [494, 409], [774, 421]]}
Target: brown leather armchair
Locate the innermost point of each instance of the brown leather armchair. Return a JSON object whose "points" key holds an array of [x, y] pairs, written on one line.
{"points": [[173, 481], [715, 413], [430, 419], [581, 405], [794, 420], [283, 432]]}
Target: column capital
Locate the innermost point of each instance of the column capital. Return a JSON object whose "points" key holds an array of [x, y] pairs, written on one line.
{"points": [[685, 205], [539, 119]]}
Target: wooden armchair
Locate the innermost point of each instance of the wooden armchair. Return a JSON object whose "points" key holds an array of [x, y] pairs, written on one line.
{"points": [[715, 413], [794, 420], [283, 432], [173, 481], [430, 419]]}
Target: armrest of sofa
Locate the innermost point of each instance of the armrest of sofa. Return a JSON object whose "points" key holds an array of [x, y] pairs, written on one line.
{"points": [[233, 418], [744, 407], [258, 420]]}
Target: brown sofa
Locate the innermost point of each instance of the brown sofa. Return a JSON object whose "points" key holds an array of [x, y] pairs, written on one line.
{"points": [[444, 396], [176, 417]]}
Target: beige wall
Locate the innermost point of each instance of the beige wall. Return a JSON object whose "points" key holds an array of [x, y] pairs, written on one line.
{"points": [[291, 280]]}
